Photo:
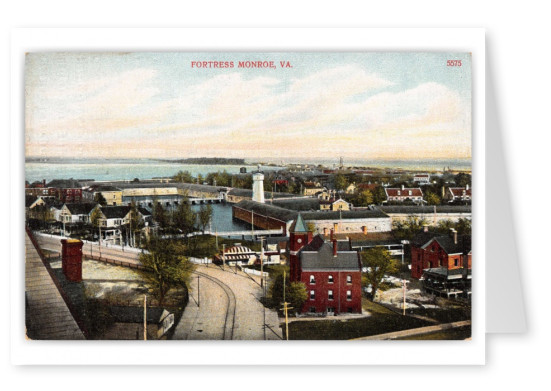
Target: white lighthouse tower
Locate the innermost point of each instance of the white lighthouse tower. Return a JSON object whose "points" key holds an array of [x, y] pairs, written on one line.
{"points": [[258, 186]]}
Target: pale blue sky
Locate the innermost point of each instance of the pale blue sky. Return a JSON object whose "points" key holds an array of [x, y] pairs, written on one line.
{"points": [[356, 105]]}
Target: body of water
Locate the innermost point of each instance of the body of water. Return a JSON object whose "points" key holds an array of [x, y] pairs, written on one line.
{"points": [[107, 171], [222, 220]]}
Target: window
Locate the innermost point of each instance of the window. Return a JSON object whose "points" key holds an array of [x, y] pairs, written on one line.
{"points": [[348, 295], [312, 279], [330, 294], [456, 262], [312, 295], [313, 310], [349, 279], [330, 279], [330, 310]]}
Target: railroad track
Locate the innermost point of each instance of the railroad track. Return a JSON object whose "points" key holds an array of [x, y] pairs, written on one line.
{"points": [[229, 321]]}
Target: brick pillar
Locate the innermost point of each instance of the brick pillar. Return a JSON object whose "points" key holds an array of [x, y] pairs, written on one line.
{"points": [[71, 259]]}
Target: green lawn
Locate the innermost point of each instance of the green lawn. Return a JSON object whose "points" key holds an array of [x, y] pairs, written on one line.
{"points": [[381, 321]]}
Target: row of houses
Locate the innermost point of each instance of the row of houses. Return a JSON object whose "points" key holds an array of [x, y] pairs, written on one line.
{"points": [[73, 217]]}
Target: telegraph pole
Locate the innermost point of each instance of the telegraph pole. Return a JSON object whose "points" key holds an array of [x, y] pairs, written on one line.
{"points": [[285, 309], [262, 263], [224, 256]]}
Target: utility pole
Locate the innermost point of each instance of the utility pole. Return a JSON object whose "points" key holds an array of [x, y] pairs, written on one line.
{"points": [[285, 309], [224, 256], [262, 263], [198, 292], [145, 317]]}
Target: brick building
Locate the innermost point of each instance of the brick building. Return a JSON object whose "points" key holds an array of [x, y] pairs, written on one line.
{"points": [[66, 190], [442, 262], [332, 276]]}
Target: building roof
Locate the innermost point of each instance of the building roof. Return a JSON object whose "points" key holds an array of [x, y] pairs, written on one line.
{"points": [[299, 225], [298, 204], [101, 188], [144, 212], [460, 191], [323, 259], [268, 210], [80, 208], [462, 246], [65, 184], [345, 214], [29, 200], [423, 238], [267, 194], [446, 242], [286, 215], [405, 192], [359, 239], [450, 274], [115, 212], [421, 209]]}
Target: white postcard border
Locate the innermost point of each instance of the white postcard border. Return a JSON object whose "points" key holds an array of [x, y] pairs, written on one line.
{"points": [[25, 352]]}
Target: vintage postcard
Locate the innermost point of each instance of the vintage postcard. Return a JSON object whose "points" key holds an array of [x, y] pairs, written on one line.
{"points": [[248, 195]]}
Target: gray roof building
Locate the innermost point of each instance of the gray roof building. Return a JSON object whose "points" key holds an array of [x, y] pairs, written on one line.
{"points": [[324, 259]]}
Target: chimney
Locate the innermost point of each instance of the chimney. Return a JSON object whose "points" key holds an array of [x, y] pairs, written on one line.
{"points": [[425, 228], [334, 247], [325, 231], [71, 259], [467, 187], [403, 187], [453, 234], [332, 235], [364, 229], [336, 227], [44, 182]]}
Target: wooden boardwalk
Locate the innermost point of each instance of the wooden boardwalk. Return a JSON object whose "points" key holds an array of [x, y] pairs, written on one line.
{"points": [[47, 315]]}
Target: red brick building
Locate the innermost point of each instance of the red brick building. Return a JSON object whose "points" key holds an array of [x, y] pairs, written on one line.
{"points": [[430, 250], [332, 276], [66, 190]]}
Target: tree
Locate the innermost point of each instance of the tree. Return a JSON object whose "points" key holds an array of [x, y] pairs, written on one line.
{"points": [[166, 266], [364, 198], [136, 222], [100, 199], [96, 216], [183, 176], [205, 215], [462, 179], [185, 218], [432, 198], [295, 292], [340, 182], [378, 262], [463, 227], [379, 195], [407, 229], [160, 215]]}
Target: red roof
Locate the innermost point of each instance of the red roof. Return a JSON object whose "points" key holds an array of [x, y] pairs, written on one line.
{"points": [[397, 192], [458, 191]]}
